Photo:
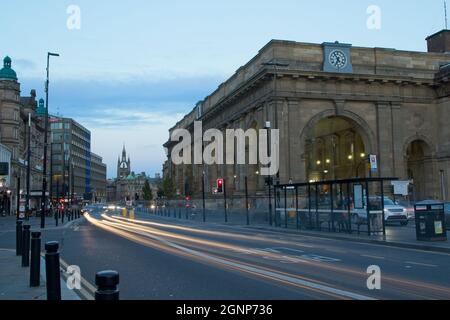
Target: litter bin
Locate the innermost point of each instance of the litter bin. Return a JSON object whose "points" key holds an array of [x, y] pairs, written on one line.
{"points": [[430, 221]]}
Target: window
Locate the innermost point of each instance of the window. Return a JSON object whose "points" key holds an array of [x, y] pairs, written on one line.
{"points": [[57, 126]]}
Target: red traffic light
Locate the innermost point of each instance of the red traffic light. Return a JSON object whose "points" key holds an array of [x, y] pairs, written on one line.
{"points": [[220, 185]]}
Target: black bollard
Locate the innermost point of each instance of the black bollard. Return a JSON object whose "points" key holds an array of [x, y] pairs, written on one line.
{"points": [[56, 216], [26, 246], [62, 216], [107, 282], [19, 226], [52, 271], [35, 271]]}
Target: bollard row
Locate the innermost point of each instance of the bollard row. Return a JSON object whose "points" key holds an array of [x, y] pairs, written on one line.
{"points": [[107, 281]]}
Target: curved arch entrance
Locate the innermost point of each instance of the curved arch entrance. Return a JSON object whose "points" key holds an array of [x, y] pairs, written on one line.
{"points": [[420, 169], [335, 149]]}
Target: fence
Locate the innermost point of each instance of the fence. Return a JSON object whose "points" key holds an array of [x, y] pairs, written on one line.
{"points": [[353, 205]]}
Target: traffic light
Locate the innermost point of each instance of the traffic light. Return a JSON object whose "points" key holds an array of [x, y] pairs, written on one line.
{"points": [[219, 185]]}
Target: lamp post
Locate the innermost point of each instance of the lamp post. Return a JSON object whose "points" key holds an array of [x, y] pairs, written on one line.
{"points": [[27, 205], [276, 65], [269, 178], [44, 171]]}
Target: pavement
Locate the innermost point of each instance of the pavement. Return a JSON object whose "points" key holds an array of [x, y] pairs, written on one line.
{"points": [[396, 235], [14, 280], [8, 224]]}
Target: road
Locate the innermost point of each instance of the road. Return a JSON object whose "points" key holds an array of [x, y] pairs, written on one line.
{"points": [[160, 258]]}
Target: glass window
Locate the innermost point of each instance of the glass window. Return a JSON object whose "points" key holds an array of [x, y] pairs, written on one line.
{"points": [[447, 207], [57, 126]]}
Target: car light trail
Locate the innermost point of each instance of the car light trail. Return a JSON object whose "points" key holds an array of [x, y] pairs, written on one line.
{"points": [[154, 238]]}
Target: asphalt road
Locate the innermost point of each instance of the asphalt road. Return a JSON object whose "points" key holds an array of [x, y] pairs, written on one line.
{"points": [[160, 258]]}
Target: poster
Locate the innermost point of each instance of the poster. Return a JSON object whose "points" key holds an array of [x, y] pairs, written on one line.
{"points": [[358, 196], [401, 188]]}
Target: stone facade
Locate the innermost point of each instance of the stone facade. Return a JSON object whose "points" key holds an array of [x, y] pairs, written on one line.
{"points": [[396, 102], [14, 114]]}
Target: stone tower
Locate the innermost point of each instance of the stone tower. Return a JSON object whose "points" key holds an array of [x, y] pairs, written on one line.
{"points": [[123, 165]]}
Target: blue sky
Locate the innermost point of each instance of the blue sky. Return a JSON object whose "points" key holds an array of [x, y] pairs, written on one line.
{"points": [[135, 67]]}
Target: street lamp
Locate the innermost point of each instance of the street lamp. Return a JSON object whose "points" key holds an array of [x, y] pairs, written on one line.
{"points": [[44, 173]]}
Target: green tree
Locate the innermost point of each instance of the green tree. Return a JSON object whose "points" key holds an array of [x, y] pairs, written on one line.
{"points": [[147, 191], [168, 188]]}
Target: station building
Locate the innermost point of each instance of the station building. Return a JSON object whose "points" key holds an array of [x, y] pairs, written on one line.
{"points": [[334, 105]]}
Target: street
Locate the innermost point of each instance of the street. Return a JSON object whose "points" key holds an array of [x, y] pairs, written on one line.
{"points": [[159, 258]]}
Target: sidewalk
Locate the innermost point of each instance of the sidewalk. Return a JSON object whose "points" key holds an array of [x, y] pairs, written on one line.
{"points": [[8, 224], [14, 280], [396, 236], [401, 237]]}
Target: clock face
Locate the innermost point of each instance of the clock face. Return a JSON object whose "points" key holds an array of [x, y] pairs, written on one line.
{"points": [[338, 59]]}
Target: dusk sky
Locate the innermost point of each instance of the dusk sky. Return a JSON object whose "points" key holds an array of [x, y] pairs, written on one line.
{"points": [[135, 67]]}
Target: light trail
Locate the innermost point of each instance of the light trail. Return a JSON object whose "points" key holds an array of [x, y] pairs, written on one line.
{"points": [[208, 232], [129, 231]]}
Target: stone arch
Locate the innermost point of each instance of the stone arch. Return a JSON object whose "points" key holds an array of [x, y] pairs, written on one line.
{"points": [[364, 130], [430, 150], [365, 136], [418, 159]]}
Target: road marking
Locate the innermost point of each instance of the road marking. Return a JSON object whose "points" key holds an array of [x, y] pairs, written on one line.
{"points": [[373, 257], [258, 271], [421, 264], [87, 289]]}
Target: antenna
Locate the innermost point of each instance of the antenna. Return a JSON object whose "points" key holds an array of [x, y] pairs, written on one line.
{"points": [[446, 19]]}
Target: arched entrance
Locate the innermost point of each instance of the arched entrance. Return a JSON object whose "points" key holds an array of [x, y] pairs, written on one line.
{"points": [[420, 169], [335, 149]]}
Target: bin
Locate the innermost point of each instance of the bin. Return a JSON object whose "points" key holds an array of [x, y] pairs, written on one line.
{"points": [[430, 221]]}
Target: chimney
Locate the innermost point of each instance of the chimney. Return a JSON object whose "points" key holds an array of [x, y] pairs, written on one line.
{"points": [[439, 42]]}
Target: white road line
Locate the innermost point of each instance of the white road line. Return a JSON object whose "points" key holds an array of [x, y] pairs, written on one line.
{"points": [[373, 257], [254, 270], [421, 264]]}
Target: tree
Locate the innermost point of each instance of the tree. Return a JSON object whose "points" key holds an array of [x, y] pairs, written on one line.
{"points": [[147, 191], [168, 188]]}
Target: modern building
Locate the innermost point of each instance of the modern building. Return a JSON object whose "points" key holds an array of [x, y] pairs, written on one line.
{"points": [[98, 178], [334, 104], [74, 169], [15, 131]]}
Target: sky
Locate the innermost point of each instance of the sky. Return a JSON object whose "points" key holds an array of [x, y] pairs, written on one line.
{"points": [[129, 70]]}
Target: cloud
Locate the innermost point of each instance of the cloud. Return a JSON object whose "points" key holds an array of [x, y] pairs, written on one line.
{"points": [[137, 112], [21, 65]]}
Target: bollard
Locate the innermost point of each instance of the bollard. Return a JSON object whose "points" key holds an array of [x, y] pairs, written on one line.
{"points": [[35, 271], [26, 246], [107, 282], [52, 272], [19, 226], [56, 216], [62, 215]]}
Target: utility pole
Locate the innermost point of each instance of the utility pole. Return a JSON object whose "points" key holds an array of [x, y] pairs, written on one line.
{"points": [[445, 11], [27, 205], [44, 171]]}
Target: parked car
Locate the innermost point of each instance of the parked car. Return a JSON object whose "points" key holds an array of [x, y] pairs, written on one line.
{"points": [[409, 206], [447, 215], [393, 213]]}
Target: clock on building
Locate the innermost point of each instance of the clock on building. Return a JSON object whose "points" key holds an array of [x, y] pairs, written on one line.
{"points": [[337, 57]]}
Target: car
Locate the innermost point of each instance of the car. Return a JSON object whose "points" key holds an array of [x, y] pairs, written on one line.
{"points": [[393, 213], [409, 206], [447, 214]]}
